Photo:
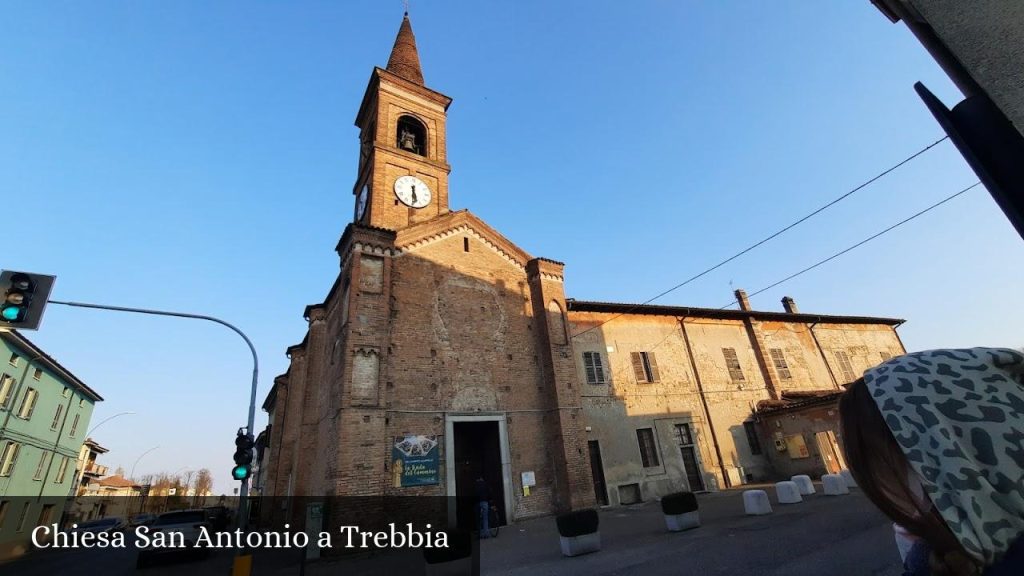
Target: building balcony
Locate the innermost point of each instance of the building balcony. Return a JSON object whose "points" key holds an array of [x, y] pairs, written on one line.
{"points": [[93, 469]]}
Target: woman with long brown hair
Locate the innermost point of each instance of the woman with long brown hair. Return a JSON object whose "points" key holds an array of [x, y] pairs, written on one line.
{"points": [[936, 440]]}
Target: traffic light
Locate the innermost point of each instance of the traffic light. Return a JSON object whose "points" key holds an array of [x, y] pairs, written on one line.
{"points": [[243, 456], [24, 298]]}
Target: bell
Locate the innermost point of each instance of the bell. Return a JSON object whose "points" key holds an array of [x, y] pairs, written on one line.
{"points": [[408, 141]]}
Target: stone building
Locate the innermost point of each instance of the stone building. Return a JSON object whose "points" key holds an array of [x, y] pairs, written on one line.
{"points": [[694, 398], [444, 352]]}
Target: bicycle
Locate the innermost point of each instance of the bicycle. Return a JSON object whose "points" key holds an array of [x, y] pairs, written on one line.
{"points": [[492, 521]]}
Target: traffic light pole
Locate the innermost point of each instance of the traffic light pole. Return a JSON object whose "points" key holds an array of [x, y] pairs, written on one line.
{"points": [[243, 490]]}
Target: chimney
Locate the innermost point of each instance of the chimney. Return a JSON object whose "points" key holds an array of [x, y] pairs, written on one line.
{"points": [[790, 305], [741, 297]]}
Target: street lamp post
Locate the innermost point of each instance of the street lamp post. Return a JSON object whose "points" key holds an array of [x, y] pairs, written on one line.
{"points": [[132, 477], [243, 491], [93, 429], [132, 474]]}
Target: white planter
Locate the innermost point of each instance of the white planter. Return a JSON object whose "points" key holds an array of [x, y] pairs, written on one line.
{"points": [[803, 482], [848, 478], [787, 492], [583, 544], [834, 485], [755, 502], [684, 521]]}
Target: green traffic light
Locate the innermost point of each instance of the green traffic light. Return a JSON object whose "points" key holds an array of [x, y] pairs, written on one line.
{"points": [[12, 313], [240, 472]]}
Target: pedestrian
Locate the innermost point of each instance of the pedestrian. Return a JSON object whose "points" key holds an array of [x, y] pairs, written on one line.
{"points": [[483, 498], [936, 440]]}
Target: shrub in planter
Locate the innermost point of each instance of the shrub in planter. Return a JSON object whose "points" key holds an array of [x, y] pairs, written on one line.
{"points": [[680, 510], [578, 533]]}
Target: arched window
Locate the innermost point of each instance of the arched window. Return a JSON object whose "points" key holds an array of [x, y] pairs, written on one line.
{"points": [[411, 135]]}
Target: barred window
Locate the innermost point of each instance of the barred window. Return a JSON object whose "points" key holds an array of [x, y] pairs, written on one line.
{"points": [[593, 367], [781, 367], [733, 363]]}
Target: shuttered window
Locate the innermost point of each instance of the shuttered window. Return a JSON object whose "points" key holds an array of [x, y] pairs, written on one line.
{"points": [[61, 471], [732, 362], [8, 458], [40, 467], [56, 417], [28, 404], [781, 367], [844, 364], [645, 367], [593, 367], [6, 386], [648, 448]]}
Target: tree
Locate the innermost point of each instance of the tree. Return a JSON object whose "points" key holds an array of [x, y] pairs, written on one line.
{"points": [[204, 483]]}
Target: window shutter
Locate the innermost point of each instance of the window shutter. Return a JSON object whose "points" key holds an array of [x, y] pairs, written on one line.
{"points": [[655, 376], [588, 366], [598, 369], [638, 367]]}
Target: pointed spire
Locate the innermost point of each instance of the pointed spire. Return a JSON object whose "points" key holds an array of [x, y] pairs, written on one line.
{"points": [[405, 60]]}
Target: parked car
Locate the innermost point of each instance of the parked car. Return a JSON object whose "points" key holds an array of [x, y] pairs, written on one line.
{"points": [[144, 519], [219, 517], [187, 523], [102, 525]]}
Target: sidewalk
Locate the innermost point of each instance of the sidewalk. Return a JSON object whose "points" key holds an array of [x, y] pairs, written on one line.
{"points": [[634, 540], [820, 536]]}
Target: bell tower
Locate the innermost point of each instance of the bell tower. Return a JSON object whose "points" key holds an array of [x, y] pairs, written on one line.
{"points": [[403, 166]]}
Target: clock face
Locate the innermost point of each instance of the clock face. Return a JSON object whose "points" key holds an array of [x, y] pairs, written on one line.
{"points": [[412, 191], [361, 202]]}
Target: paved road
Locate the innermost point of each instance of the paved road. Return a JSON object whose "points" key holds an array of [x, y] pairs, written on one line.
{"points": [[822, 536]]}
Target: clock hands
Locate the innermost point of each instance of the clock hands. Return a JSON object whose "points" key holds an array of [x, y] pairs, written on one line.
{"points": [[413, 193]]}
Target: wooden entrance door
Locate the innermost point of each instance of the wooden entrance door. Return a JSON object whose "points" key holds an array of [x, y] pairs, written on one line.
{"points": [[597, 471], [831, 455]]}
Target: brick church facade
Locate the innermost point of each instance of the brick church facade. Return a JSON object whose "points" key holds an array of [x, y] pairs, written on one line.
{"points": [[444, 353]]}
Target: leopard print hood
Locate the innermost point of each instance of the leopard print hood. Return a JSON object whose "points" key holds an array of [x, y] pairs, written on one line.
{"points": [[958, 416]]}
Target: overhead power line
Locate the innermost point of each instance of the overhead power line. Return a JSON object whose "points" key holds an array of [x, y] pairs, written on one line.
{"points": [[858, 244], [774, 235]]}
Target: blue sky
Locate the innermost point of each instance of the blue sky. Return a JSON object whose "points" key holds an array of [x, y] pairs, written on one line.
{"points": [[198, 157]]}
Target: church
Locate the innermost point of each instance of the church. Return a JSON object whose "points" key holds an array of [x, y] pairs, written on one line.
{"points": [[444, 353]]}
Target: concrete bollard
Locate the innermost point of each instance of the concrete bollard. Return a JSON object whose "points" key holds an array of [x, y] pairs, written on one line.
{"points": [[787, 492], [803, 482], [848, 477], [755, 502], [834, 485]]}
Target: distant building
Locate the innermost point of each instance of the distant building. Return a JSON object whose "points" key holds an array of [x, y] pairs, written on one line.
{"points": [[87, 472], [44, 415], [113, 496]]}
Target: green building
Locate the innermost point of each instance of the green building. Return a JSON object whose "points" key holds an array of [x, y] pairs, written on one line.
{"points": [[44, 416]]}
